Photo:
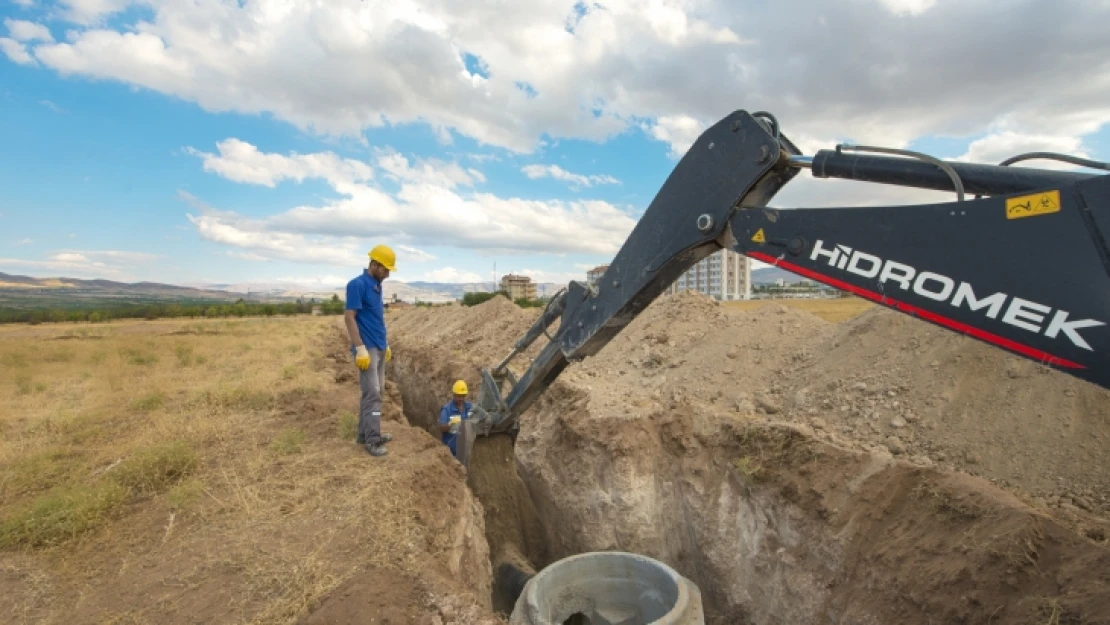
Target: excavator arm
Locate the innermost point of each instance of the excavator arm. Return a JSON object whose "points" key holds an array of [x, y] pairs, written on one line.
{"points": [[1024, 265]]}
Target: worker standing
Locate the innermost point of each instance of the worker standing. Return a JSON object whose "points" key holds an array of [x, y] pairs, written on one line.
{"points": [[452, 415], [365, 320]]}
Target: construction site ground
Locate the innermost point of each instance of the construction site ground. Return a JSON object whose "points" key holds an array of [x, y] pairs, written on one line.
{"points": [[173, 472], [868, 469], [849, 466]]}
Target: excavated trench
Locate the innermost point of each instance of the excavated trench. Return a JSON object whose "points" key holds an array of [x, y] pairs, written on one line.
{"points": [[772, 525], [514, 531]]}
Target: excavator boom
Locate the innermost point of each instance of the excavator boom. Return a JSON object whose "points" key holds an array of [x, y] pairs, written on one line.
{"points": [[1024, 265]]}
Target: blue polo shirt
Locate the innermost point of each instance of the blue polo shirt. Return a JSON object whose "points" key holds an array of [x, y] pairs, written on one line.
{"points": [[450, 410], [364, 295]]}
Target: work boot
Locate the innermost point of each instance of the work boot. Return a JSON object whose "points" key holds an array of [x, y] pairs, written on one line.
{"points": [[385, 438], [376, 450]]}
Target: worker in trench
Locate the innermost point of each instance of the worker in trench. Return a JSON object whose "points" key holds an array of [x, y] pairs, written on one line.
{"points": [[365, 320], [452, 414]]}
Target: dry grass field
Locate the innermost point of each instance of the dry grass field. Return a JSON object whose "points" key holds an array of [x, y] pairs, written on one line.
{"points": [[831, 310], [194, 471]]}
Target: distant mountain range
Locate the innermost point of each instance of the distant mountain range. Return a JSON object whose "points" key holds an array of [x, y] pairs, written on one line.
{"points": [[24, 292]]}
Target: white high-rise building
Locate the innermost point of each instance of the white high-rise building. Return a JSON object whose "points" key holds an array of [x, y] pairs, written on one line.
{"points": [[724, 275]]}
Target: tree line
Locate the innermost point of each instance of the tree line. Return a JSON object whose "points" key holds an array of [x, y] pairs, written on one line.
{"points": [[473, 298], [102, 313], [99, 313]]}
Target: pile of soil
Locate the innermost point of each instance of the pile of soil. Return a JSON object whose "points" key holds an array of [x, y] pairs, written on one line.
{"points": [[791, 466], [881, 380]]}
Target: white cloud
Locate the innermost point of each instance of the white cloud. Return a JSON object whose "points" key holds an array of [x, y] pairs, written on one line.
{"points": [[255, 236], [540, 275], [249, 256], [805, 191], [558, 173], [22, 30], [999, 146], [908, 7], [553, 71], [130, 258], [24, 242], [64, 266], [427, 208], [115, 257], [450, 274], [414, 254], [240, 161], [92, 11], [429, 172], [68, 257], [24, 3], [53, 107], [16, 51], [677, 131]]}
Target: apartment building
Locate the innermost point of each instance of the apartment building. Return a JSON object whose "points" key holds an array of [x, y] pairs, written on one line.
{"points": [[593, 275], [724, 275], [518, 287]]}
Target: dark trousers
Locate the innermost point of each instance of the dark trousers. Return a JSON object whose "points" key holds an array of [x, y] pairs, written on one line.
{"points": [[372, 382]]}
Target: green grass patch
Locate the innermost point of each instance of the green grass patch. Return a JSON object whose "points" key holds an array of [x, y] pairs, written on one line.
{"points": [[138, 356], [149, 403], [59, 355], [184, 354], [40, 471], [288, 441], [14, 361], [237, 398], [61, 514], [156, 468], [185, 494], [348, 425]]}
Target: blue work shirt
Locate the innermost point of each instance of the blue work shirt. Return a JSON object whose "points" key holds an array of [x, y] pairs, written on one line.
{"points": [[450, 410], [364, 295]]}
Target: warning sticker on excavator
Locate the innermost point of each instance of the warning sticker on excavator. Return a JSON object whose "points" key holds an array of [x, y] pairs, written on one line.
{"points": [[759, 237], [1032, 205]]}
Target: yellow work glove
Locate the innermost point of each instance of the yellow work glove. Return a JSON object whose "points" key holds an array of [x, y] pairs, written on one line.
{"points": [[388, 354], [362, 357], [454, 422]]}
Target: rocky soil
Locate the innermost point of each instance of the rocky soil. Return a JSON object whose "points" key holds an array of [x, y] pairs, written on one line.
{"points": [[875, 470]]}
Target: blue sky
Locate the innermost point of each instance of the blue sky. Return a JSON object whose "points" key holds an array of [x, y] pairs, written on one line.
{"points": [[237, 143]]}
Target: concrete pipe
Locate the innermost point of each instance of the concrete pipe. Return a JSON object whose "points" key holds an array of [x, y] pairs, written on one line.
{"points": [[608, 588]]}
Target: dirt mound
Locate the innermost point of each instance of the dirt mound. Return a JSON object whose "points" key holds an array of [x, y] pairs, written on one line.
{"points": [[477, 333], [786, 464], [433, 347], [775, 526], [688, 349], [920, 390], [882, 380]]}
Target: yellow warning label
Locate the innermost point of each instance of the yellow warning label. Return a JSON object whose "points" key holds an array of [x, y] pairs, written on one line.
{"points": [[1032, 205], [759, 237]]}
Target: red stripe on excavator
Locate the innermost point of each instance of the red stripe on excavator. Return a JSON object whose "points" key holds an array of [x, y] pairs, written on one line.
{"points": [[924, 314]]}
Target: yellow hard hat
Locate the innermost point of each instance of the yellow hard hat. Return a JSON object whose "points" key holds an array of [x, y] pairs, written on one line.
{"points": [[459, 388], [384, 255]]}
